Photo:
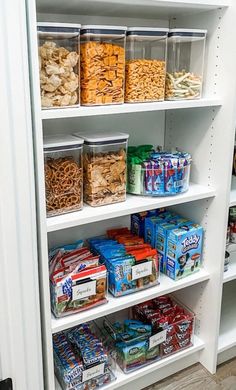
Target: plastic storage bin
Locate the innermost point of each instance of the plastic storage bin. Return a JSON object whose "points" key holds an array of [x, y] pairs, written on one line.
{"points": [[186, 50], [155, 329], [78, 291], [102, 64], [81, 358], [59, 64], [63, 174], [104, 167], [129, 341], [145, 67], [161, 174]]}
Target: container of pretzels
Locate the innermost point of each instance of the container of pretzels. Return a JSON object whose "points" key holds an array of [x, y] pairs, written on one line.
{"points": [[63, 167], [145, 68], [102, 60], [104, 162]]}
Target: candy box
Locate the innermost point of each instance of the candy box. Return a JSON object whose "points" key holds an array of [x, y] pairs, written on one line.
{"points": [[184, 250], [79, 291]]}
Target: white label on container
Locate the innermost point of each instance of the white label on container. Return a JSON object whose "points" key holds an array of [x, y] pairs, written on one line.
{"points": [[93, 371], [141, 270], [83, 290], [157, 339]]}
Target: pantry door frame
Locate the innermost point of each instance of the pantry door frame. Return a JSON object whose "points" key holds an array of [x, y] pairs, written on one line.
{"points": [[20, 324]]}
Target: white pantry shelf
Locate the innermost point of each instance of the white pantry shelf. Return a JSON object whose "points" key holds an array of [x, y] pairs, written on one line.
{"points": [[124, 379], [133, 204], [127, 108], [166, 286], [130, 8], [231, 273], [227, 336]]}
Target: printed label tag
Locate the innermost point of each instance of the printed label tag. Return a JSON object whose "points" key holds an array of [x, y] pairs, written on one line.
{"points": [[141, 270], [93, 371], [83, 290], [157, 339]]}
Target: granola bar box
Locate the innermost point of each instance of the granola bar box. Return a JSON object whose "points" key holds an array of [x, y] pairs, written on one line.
{"points": [[184, 250], [63, 173], [104, 167], [58, 51], [145, 67], [102, 59]]}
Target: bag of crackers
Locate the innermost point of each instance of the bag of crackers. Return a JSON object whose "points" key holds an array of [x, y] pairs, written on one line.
{"points": [[63, 170], [102, 60], [104, 167]]}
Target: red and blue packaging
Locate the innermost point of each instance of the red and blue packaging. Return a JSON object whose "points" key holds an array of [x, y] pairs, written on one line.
{"points": [[131, 263]]}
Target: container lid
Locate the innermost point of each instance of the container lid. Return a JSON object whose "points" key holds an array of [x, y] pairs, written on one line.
{"points": [[102, 29], [102, 137], [61, 141], [58, 25], [147, 31], [185, 32], [66, 30]]}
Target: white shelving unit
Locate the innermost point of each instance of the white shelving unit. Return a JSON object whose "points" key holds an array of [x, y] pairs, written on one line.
{"points": [[227, 337], [195, 126]]}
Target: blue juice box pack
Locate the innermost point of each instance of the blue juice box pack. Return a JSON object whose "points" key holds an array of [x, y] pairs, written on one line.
{"points": [[184, 250]]}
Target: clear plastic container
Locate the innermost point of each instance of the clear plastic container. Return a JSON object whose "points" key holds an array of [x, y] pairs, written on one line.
{"points": [[160, 181], [145, 67], [63, 174], [102, 57], [77, 366], [185, 61], [88, 289], [104, 167], [149, 332], [59, 64]]}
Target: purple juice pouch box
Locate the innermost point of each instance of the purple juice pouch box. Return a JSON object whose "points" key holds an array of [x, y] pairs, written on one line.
{"points": [[184, 250], [148, 173], [169, 178], [158, 178]]}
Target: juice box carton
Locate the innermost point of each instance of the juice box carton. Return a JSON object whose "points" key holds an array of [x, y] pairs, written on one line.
{"points": [[184, 250], [151, 225], [138, 221], [161, 240]]}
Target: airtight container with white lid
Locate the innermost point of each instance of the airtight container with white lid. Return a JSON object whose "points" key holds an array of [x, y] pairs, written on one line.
{"points": [[104, 167], [186, 51], [59, 64], [145, 67], [102, 64], [63, 174]]}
